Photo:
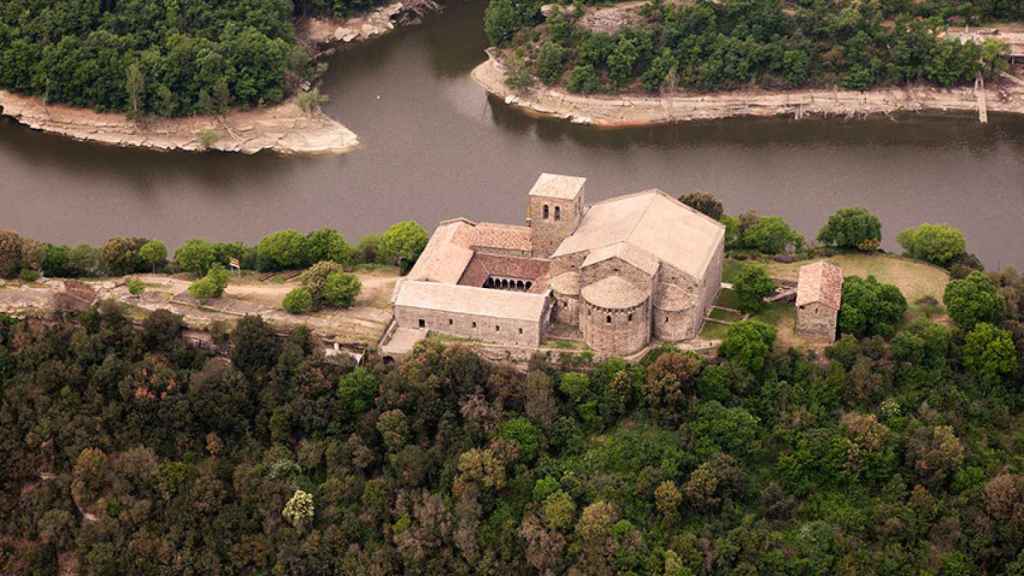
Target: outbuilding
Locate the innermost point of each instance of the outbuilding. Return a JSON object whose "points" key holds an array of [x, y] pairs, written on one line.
{"points": [[819, 295]]}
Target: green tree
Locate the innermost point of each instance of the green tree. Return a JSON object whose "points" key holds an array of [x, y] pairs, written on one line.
{"points": [[503, 18], [704, 203], [210, 286], [870, 308], [284, 250], [622, 60], [989, 353], [550, 62], [402, 243], [752, 284], [154, 254], [299, 510], [939, 244], [527, 437], [771, 235], [852, 229], [974, 299], [195, 257], [10, 254], [328, 244], [584, 79], [357, 390], [748, 344]]}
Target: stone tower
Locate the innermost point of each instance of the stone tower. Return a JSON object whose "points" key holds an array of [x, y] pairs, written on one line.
{"points": [[554, 212]]}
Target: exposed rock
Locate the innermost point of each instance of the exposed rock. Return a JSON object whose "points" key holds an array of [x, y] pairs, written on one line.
{"points": [[643, 110], [284, 128]]}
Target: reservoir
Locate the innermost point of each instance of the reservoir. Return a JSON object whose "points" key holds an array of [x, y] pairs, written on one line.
{"points": [[434, 146]]}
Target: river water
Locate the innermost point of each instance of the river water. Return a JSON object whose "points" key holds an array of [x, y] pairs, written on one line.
{"points": [[435, 146]]}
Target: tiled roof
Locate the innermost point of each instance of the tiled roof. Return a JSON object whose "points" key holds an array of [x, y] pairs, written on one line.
{"points": [[671, 298], [446, 256], [483, 266], [654, 222], [470, 300], [567, 283], [627, 253], [503, 236], [613, 292], [557, 186], [820, 282]]}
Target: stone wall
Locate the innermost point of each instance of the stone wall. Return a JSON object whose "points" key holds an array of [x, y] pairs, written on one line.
{"points": [[567, 309], [547, 233], [616, 332], [567, 263], [486, 328], [816, 321], [676, 325]]}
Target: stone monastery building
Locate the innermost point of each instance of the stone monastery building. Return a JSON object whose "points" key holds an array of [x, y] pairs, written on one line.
{"points": [[617, 274]]}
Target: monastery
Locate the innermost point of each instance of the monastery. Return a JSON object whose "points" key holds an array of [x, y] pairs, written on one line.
{"points": [[617, 275]]}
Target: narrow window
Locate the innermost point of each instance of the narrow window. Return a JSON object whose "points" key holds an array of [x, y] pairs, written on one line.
{"points": [[666, 319], [558, 212], [423, 323], [474, 324], [546, 209], [450, 321], [608, 319], [497, 328], [520, 330], [630, 319]]}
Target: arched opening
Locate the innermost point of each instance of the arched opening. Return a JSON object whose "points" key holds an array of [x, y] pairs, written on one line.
{"points": [[608, 319], [558, 212], [529, 284], [546, 211], [630, 317]]}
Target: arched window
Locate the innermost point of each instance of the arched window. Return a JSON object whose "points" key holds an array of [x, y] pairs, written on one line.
{"points": [[558, 212], [546, 209], [608, 319], [630, 318]]}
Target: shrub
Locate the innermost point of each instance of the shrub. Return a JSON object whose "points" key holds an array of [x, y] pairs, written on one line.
{"points": [[527, 437], [704, 203], [368, 249], [154, 254], [340, 290], [136, 286], [939, 244], [84, 260], [298, 301], [284, 250], [29, 275], [57, 261], [770, 235], [10, 254], [195, 257], [752, 284], [974, 299], [852, 228], [870, 308], [212, 285]]}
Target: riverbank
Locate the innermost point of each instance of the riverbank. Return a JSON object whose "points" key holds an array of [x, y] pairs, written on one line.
{"points": [[284, 128], [641, 110]]}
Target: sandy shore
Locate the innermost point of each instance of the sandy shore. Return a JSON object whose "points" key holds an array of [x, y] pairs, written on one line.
{"points": [[639, 110], [284, 128]]}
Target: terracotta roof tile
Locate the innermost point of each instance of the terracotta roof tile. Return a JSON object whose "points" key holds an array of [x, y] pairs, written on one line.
{"points": [[820, 282]]}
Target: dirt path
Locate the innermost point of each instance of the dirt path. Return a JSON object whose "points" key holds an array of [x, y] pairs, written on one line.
{"points": [[642, 110]]}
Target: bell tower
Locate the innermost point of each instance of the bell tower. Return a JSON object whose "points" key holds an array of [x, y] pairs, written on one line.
{"points": [[554, 211]]}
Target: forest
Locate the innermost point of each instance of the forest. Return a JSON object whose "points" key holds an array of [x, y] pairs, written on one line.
{"points": [[896, 451], [158, 57], [733, 44]]}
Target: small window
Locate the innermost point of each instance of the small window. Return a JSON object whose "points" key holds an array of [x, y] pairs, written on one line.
{"points": [[546, 211], [630, 318], [558, 212], [520, 330], [608, 319], [666, 319], [423, 323], [450, 321], [474, 324], [497, 328]]}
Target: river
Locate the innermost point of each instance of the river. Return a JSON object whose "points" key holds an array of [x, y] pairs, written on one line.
{"points": [[435, 146]]}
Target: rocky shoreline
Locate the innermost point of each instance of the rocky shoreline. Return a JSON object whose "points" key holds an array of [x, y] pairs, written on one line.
{"points": [[640, 110], [283, 129]]}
